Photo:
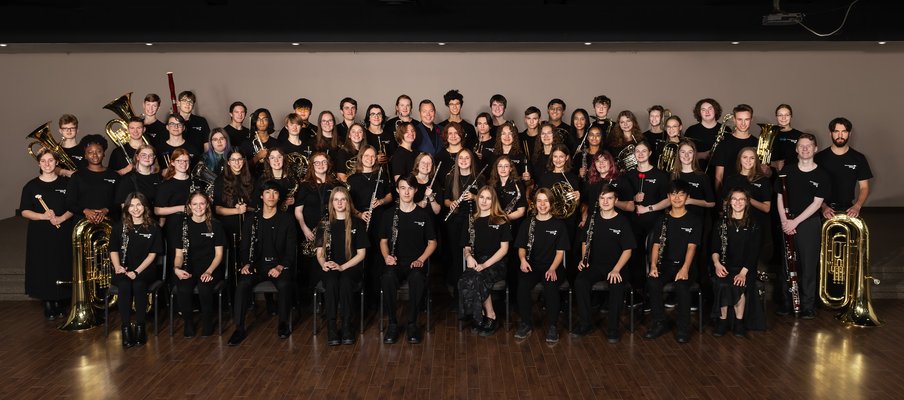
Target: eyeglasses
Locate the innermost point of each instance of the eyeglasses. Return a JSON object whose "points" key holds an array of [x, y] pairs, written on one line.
{"points": [[174, 124], [321, 162], [374, 115], [189, 101], [556, 109]]}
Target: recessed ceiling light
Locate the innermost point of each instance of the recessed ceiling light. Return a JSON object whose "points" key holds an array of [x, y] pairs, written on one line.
{"points": [[148, 44], [442, 43], [296, 44], [2, 44], [883, 42], [735, 42], [587, 43]]}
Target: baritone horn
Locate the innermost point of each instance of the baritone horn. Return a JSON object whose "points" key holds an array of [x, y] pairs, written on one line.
{"points": [[768, 132], [44, 138], [844, 275], [122, 107]]}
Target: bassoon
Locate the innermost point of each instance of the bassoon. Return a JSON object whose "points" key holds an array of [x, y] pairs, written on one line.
{"points": [[790, 257]]}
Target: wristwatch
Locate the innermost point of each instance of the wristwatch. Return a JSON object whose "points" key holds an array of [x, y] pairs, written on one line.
{"points": [[650, 208]]}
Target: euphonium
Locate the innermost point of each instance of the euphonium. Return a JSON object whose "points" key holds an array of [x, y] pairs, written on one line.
{"points": [[44, 138], [668, 156], [844, 275], [122, 107], [91, 274], [768, 132], [563, 203]]}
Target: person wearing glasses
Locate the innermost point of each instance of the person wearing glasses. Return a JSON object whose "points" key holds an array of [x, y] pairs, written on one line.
{"points": [[255, 149], [143, 178], [68, 132], [172, 195], [175, 127], [196, 126]]}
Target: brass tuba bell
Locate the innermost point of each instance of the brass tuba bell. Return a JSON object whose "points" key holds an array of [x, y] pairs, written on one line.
{"points": [[44, 138], [122, 107], [92, 272], [844, 276]]}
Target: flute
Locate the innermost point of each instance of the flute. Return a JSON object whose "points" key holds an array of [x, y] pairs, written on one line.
{"points": [[466, 190], [43, 204], [373, 197]]}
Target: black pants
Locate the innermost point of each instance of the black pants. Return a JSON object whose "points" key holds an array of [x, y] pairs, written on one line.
{"points": [[392, 278], [474, 288], [339, 288], [585, 281], [807, 241], [134, 290], [667, 272], [185, 290], [243, 294], [526, 283]]}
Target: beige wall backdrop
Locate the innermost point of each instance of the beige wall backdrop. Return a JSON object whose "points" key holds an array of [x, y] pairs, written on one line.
{"points": [[861, 85]]}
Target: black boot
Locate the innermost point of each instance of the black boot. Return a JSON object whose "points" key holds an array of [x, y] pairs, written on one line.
{"points": [[49, 312], [141, 334], [348, 337], [127, 340], [59, 308]]}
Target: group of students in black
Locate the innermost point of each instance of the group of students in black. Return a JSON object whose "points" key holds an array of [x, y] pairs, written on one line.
{"points": [[369, 205]]}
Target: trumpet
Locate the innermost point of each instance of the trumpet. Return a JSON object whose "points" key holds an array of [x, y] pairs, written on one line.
{"points": [[44, 138]]}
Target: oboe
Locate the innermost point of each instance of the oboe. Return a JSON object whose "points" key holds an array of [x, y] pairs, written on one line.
{"points": [[373, 197], [466, 190], [790, 253]]}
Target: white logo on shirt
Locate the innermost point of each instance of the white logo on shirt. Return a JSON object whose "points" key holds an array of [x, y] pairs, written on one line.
{"points": [[353, 231], [207, 234], [815, 184], [420, 223], [694, 184], [653, 181], [494, 227], [552, 232], [851, 166], [145, 235], [615, 231], [110, 180], [197, 128], [757, 184], [63, 191], [688, 230]]}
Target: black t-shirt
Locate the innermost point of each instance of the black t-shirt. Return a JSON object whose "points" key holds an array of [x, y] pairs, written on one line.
{"points": [[237, 136], [549, 237], [703, 137], [680, 232], [337, 239], [487, 238], [466, 206], [77, 154], [165, 151], [742, 245], [197, 130], [784, 146], [548, 179], [845, 171], [276, 241], [591, 193], [119, 161], [201, 243], [700, 189], [448, 161], [385, 142], [94, 190], [362, 186], [507, 194], [657, 140], [529, 142], [342, 158], [156, 132], [306, 148], [391, 124], [142, 241], [469, 137], [611, 237], [414, 230], [402, 162], [803, 187], [315, 200], [655, 185], [247, 148], [759, 190], [173, 192], [727, 153], [135, 182], [53, 193]]}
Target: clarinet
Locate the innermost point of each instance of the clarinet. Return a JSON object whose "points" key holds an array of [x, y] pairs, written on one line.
{"points": [[466, 190], [530, 236], [723, 238], [511, 205], [790, 253], [395, 232], [373, 197], [585, 259], [327, 240], [662, 235], [125, 244], [185, 241]]}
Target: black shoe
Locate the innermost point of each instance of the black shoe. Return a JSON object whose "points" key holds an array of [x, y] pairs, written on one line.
{"points": [[189, 330], [478, 324], [721, 328], [392, 334], [489, 328], [740, 328], [348, 337], [682, 337], [552, 334], [127, 337], [808, 315], [283, 330], [141, 334], [524, 330], [414, 334], [49, 312], [656, 330], [207, 330], [582, 330], [59, 308], [613, 337], [271, 307], [782, 311], [332, 335], [237, 337]]}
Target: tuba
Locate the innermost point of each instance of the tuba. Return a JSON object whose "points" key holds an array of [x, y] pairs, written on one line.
{"points": [[668, 156], [768, 132], [122, 107], [563, 204], [44, 138], [91, 274], [844, 275]]}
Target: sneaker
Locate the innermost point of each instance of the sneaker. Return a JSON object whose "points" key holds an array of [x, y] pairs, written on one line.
{"points": [[721, 328], [332, 335], [348, 337], [808, 315], [613, 337], [283, 330], [656, 330], [682, 337], [552, 334], [392, 334], [414, 334], [237, 337], [582, 330], [489, 328], [740, 328], [524, 330]]}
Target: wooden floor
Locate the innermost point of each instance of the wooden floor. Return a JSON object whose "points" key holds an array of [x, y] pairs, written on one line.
{"points": [[792, 360]]}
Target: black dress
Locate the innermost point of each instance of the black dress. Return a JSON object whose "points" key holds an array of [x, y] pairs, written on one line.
{"points": [[741, 250], [48, 250]]}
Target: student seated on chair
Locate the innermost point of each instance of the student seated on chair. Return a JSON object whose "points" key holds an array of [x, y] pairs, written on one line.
{"points": [[268, 249]]}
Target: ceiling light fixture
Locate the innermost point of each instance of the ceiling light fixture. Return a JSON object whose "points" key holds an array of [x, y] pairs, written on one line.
{"points": [[587, 43], [296, 44], [735, 42], [442, 43], [882, 42]]}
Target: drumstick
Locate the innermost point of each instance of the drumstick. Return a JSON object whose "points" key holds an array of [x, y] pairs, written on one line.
{"points": [[43, 204]]}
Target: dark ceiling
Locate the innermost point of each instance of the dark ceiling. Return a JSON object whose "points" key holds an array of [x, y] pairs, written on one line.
{"points": [[475, 21]]}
